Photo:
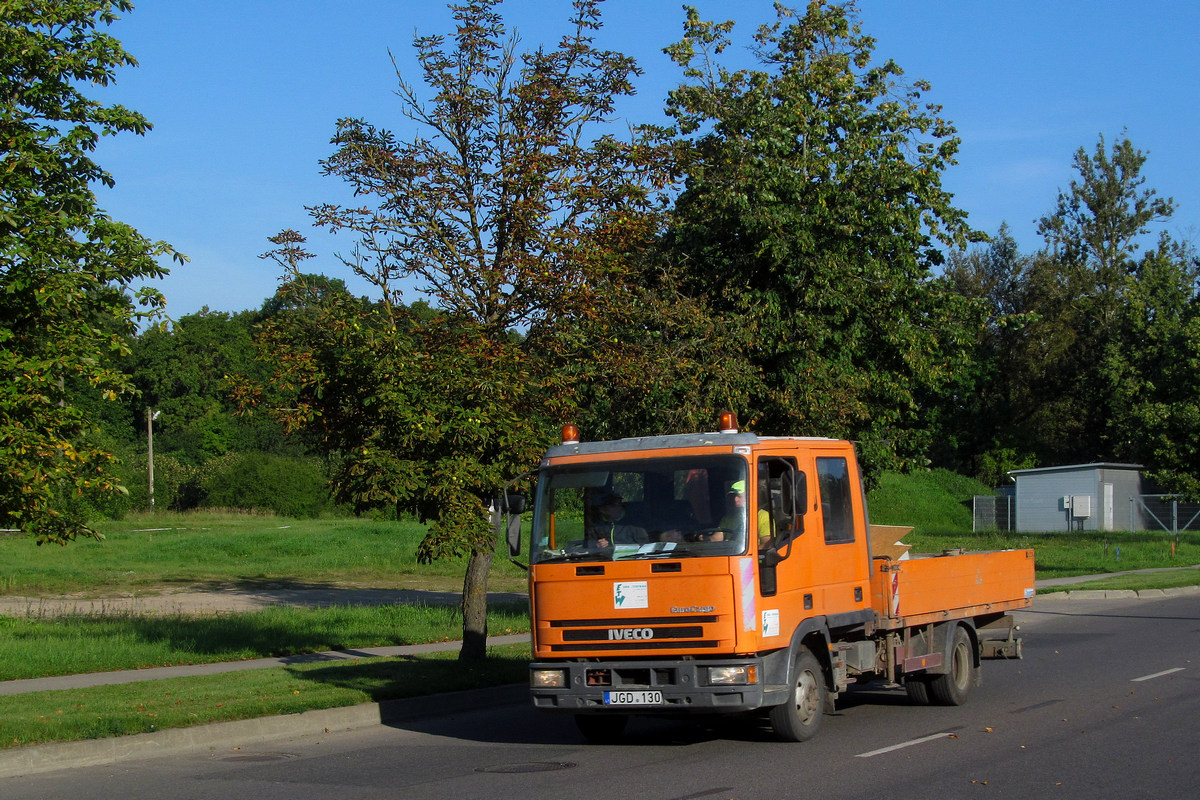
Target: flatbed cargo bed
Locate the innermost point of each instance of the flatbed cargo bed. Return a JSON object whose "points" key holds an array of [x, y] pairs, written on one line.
{"points": [[916, 590]]}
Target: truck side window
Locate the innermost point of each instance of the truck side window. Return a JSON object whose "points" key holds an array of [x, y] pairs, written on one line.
{"points": [[837, 509]]}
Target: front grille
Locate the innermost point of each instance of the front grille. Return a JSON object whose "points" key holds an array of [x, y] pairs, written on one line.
{"points": [[577, 647], [628, 621], [631, 677], [607, 635], [596, 635]]}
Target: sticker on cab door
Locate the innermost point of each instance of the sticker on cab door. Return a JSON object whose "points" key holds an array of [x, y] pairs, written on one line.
{"points": [[631, 594], [770, 622]]}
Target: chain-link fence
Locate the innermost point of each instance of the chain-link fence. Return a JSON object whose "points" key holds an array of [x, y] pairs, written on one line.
{"points": [[1166, 512], [1147, 512], [993, 512]]}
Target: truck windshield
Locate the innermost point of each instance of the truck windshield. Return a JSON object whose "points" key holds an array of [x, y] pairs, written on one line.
{"points": [[649, 508]]}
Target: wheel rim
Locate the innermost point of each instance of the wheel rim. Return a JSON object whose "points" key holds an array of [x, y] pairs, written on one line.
{"points": [[808, 696], [961, 666]]}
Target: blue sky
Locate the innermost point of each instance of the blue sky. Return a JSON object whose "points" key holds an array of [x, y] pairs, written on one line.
{"points": [[244, 95]]}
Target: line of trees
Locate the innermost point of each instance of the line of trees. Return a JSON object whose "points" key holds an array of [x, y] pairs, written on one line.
{"points": [[784, 248]]}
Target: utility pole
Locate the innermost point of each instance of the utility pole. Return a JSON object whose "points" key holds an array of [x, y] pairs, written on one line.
{"points": [[151, 415]]}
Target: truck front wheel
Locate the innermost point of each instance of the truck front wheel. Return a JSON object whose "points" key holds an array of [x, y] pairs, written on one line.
{"points": [[797, 720], [952, 688]]}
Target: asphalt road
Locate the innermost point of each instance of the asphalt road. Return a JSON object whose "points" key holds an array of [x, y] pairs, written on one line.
{"points": [[1104, 705]]}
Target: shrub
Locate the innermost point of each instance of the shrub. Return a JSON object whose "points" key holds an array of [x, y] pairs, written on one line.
{"points": [[292, 487]]}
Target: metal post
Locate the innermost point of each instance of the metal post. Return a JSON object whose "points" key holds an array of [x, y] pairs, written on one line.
{"points": [[151, 415]]}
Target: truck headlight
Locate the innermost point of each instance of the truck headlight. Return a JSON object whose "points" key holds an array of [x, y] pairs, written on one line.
{"points": [[548, 678], [735, 675]]}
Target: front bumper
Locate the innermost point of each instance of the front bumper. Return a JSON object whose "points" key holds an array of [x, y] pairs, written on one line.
{"points": [[684, 686]]}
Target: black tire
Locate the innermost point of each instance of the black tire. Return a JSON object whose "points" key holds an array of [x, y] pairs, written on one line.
{"points": [[601, 728], [952, 688], [917, 687], [798, 719]]}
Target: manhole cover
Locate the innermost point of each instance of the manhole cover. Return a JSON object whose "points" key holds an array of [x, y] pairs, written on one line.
{"points": [[533, 766]]}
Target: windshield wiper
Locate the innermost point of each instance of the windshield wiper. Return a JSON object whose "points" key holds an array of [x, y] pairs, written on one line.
{"points": [[678, 552], [580, 555]]}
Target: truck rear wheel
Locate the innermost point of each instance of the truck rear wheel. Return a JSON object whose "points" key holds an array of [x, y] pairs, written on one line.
{"points": [[797, 720], [952, 688], [917, 687], [601, 728]]}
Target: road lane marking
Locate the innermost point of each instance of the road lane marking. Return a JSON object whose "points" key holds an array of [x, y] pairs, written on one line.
{"points": [[1157, 674], [902, 745]]}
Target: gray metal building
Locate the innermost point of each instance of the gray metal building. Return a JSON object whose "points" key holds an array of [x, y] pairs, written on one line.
{"points": [[1090, 497]]}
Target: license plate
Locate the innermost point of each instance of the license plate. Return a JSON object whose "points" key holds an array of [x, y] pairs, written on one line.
{"points": [[633, 698]]}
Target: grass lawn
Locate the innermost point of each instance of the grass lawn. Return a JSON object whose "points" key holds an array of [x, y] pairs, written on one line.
{"points": [[202, 550], [1062, 555], [69, 645]]}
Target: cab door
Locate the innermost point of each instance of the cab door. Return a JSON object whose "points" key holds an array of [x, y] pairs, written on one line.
{"points": [[837, 532]]}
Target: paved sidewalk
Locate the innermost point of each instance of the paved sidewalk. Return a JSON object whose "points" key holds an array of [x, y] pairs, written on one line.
{"points": [[155, 673]]}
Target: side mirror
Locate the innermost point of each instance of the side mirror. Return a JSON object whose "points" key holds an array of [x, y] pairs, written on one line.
{"points": [[514, 536], [510, 509], [799, 481], [793, 503]]}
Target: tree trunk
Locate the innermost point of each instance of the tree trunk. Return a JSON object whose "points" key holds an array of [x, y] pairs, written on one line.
{"points": [[474, 606]]}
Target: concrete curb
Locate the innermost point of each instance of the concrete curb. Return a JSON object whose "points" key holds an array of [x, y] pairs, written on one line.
{"points": [[1114, 594], [228, 737]]}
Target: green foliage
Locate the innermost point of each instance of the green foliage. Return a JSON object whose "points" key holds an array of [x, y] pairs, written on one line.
{"points": [[976, 424], [1088, 350], [496, 211], [1078, 357], [291, 487], [512, 209], [992, 466], [429, 417], [176, 483], [1160, 376], [811, 218], [182, 372], [65, 267]]}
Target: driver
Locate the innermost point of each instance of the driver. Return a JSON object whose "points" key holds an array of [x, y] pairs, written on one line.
{"points": [[733, 524], [607, 529]]}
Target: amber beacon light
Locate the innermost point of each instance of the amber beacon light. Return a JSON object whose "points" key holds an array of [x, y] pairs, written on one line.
{"points": [[728, 422], [570, 434]]}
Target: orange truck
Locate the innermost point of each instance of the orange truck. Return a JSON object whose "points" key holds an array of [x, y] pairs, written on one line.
{"points": [[727, 572]]}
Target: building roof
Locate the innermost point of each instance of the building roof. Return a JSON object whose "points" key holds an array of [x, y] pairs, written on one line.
{"points": [[1076, 468]]}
